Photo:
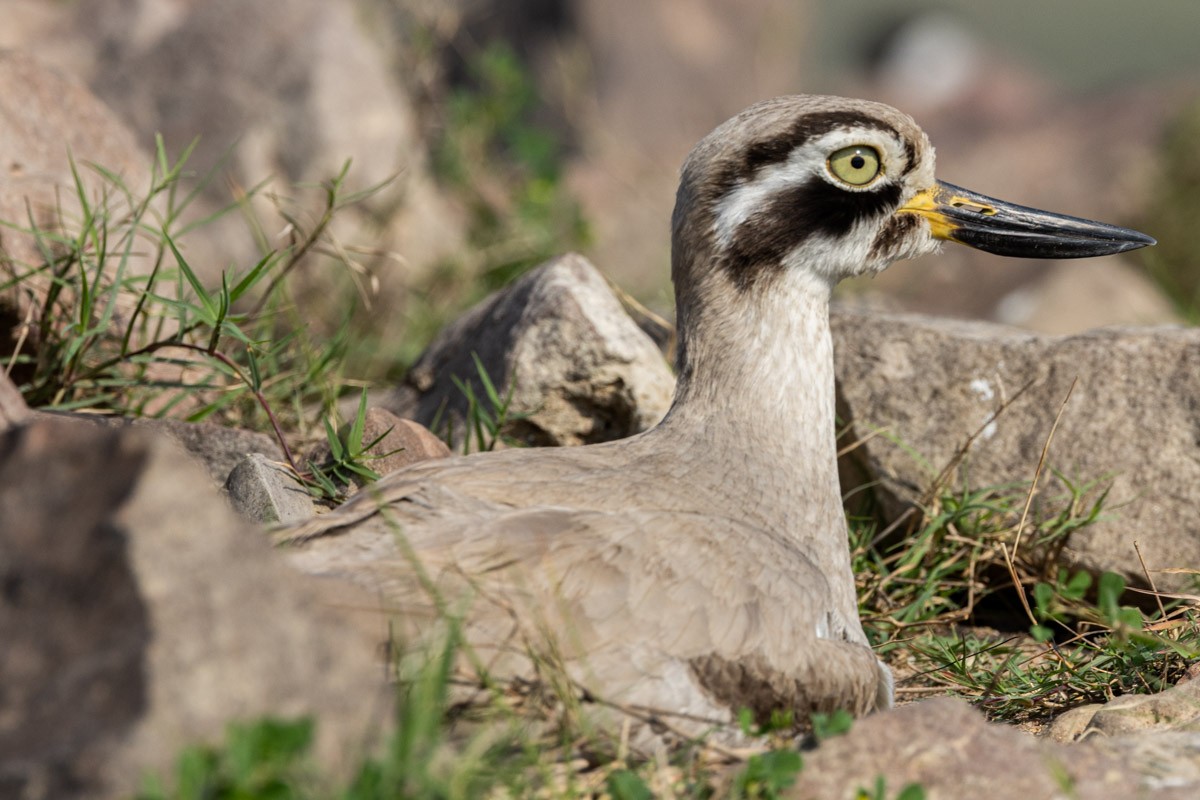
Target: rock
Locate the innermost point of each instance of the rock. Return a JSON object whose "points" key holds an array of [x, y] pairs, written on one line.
{"points": [[1176, 709], [265, 491], [46, 119], [139, 615], [293, 89], [949, 750], [1159, 732], [397, 443], [1076, 296], [217, 447], [13, 410], [580, 371], [634, 133], [1131, 422]]}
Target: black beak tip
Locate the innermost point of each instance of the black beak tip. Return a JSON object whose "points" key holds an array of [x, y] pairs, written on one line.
{"points": [[1131, 240], [1141, 240]]}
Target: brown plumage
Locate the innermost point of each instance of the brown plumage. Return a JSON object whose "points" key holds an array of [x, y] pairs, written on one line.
{"points": [[701, 567]]}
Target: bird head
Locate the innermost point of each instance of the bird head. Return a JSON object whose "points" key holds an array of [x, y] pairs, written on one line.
{"points": [[839, 188]]}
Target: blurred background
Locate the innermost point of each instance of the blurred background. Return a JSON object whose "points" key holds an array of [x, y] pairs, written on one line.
{"points": [[519, 129]]}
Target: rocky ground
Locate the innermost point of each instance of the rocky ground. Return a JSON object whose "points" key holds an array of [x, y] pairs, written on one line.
{"points": [[141, 613], [141, 606]]}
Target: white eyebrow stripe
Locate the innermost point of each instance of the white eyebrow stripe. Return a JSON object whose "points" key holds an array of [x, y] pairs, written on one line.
{"points": [[741, 202], [803, 163]]}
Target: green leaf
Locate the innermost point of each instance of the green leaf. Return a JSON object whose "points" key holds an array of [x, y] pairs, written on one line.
{"points": [[913, 791], [826, 726], [355, 440], [1041, 633], [1078, 585], [625, 785], [1043, 596], [334, 441], [252, 277], [766, 774], [1108, 594]]}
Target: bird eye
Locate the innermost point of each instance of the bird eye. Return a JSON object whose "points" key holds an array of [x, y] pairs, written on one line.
{"points": [[857, 165]]}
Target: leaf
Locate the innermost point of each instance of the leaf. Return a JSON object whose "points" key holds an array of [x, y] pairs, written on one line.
{"points": [[1078, 585], [827, 726], [355, 440], [768, 773], [1108, 594], [335, 442], [625, 785], [1041, 633], [210, 308]]}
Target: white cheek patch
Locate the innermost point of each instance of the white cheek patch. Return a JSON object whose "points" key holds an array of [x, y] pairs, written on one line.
{"points": [[743, 200], [803, 163]]}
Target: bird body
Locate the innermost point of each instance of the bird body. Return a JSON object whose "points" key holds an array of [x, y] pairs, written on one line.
{"points": [[701, 567]]}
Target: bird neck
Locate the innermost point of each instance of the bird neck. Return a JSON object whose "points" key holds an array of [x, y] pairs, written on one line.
{"points": [[757, 366], [754, 416], [754, 412]]}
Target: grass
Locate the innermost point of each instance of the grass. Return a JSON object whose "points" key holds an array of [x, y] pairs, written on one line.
{"points": [[156, 340], [972, 601]]}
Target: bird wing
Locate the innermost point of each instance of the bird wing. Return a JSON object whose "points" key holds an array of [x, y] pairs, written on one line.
{"points": [[659, 609]]}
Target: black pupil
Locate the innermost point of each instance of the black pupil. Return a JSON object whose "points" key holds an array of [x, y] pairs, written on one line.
{"points": [[857, 161]]}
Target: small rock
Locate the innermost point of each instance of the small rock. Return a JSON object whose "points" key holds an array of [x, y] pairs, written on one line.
{"points": [[578, 368], [266, 491], [217, 447], [1076, 296], [1175, 709]]}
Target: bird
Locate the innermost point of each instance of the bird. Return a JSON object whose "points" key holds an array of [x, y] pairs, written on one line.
{"points": [[700, 569]]}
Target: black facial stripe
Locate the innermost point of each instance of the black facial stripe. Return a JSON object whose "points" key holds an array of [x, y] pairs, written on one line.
{"points": [[760, 243], [910, 157]]}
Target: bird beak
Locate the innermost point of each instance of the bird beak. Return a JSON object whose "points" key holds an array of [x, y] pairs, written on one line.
{"points": [[1007, 229]]}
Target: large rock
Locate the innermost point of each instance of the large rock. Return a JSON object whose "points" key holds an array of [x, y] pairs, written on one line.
{"points": [[1130, 423], [138, 615], [949, 750], [219, 448], [579, 369], [47, 118], [293, 90]]}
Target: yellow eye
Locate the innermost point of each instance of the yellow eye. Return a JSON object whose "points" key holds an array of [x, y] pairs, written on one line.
{"points": [[857, 165]]}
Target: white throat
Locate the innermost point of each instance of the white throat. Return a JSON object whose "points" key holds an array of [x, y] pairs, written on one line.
{"points": [[760, 363]]}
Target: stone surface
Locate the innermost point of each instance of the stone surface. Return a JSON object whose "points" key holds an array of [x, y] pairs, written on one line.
{"points": [[952, 752], [1177, 709], [138, 614], [1076, 296], [1131, 421], [290, 90], [46, 118], [217, 447], [579, 369], [264, 490]]}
